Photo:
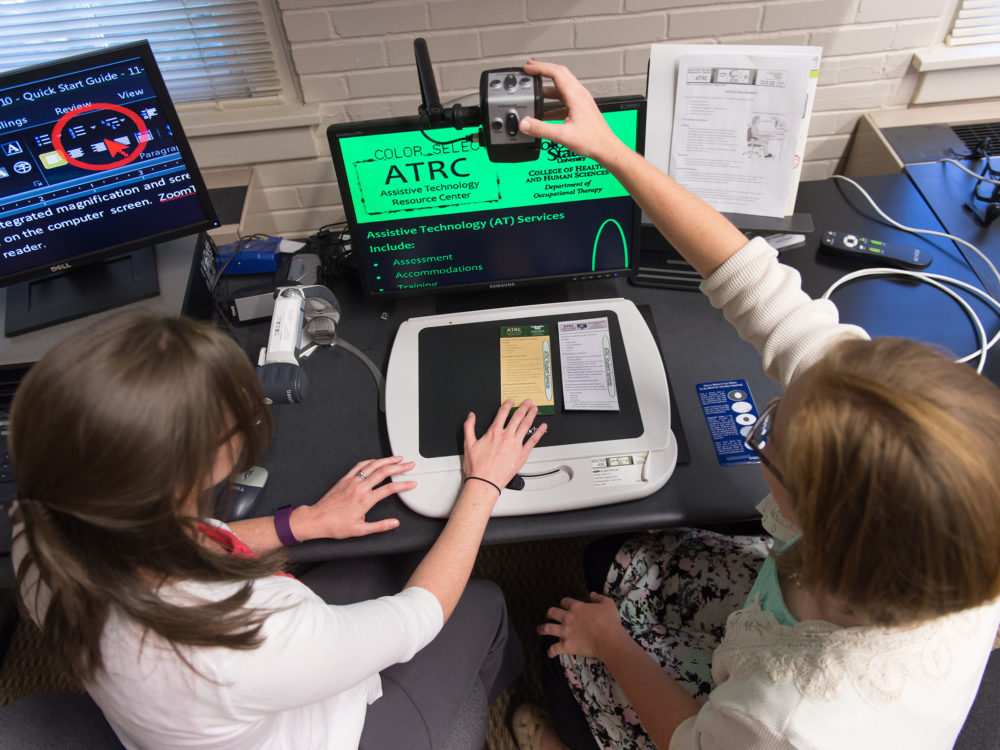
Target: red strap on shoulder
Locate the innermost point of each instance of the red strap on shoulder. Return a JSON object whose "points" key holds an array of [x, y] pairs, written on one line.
{"points": [[233, 544]]}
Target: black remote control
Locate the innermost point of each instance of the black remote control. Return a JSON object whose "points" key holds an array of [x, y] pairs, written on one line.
{"points": [[876, 251]]}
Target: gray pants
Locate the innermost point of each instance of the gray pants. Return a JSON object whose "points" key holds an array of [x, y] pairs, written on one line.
{"points": [[439, 699]]}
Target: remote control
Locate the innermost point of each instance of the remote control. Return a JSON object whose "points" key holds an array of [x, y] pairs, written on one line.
{"points": [[856, 246]]}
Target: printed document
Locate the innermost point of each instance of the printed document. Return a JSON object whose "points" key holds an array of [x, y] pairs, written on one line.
{"points": [[588, 372], [724, 158], [526, 366], [736, 123]]}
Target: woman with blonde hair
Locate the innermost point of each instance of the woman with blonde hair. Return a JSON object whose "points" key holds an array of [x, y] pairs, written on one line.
{"points": [[867, 619], [185, 630]]}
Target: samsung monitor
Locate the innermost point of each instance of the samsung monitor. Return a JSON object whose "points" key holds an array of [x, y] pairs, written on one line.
{"points": [[94, 172], [428, 211]]}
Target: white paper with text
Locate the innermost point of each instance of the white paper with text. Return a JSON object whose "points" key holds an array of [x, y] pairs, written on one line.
{"points": [[736, 126], [588, 372]]}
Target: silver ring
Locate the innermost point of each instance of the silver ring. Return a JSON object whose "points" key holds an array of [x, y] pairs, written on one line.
{"points": [[362, 474]]}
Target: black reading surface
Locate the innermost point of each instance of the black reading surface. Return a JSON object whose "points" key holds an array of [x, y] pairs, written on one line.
{"points": [[459, 371]]}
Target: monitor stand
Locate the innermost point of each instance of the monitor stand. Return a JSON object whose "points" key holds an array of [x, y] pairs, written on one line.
{"points": [[82, 291], [532, 294]]}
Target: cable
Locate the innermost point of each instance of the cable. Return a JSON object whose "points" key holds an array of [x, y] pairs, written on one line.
{"points": [[912, 230], [240, 244], [334, 249], [979, 177], [468, 138], [936, 280], [376, 373], [933, 279]]}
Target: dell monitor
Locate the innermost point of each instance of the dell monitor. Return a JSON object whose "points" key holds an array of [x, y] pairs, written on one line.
{"points": [[428, 212], [94, 172]]}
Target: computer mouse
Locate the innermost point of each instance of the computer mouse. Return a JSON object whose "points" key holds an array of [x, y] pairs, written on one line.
{"points": [[246, 491]]}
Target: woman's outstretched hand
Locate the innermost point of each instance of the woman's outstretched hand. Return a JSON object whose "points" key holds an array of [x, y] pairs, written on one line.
{"points": [[341, 512], [584, 129], [583, 629], [504, 447]]}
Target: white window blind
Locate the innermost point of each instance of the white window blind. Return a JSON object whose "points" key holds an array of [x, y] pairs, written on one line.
{"points": [[978, 22], [207, 50]]}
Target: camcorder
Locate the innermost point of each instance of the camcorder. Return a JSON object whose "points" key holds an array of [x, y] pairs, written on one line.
{"points": [[506, 96]]}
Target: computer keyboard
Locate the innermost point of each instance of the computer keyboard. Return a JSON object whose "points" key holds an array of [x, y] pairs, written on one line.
{"points": [[6, 474], [10, 378]]}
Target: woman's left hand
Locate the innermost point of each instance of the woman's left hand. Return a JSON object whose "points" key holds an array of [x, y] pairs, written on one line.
{"points": [[340, 513], [583, 629]]}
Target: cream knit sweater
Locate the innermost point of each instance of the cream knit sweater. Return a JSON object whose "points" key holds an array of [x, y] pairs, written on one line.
{"points": [[819, 685]]}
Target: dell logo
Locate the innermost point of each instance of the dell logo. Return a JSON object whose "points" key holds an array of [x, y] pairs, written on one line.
{"points": [[60, 267]]}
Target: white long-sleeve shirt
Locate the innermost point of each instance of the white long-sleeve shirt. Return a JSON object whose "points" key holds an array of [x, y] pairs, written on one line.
{"points": [[815, 685], [307, 685]]}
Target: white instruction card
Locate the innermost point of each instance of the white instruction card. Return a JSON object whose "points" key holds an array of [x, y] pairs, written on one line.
{"points": [[588, 372]]}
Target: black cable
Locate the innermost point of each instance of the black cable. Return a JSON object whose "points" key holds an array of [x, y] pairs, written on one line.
{"points": [[240, 244], [469, 138], [333, 246]]}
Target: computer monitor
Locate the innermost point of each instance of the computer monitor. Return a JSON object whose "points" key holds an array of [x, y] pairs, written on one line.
{"points": [[428, 211], [94, 171]]}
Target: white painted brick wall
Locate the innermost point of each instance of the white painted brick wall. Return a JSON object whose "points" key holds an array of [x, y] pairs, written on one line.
{"points": [[354, 60]]}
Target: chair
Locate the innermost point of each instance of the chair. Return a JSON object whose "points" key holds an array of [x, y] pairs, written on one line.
{"points": [[982, 725], [56, 721]]}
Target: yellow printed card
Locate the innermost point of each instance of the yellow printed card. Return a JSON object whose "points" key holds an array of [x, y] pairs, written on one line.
{"points": [[526, 366]]}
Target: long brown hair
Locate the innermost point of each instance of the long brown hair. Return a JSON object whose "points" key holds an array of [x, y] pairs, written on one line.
{"points": [[111, 435], [892, 459]]}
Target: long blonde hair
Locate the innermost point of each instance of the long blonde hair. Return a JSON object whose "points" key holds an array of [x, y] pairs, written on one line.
{"points": [[892, 459], [112, 433]]}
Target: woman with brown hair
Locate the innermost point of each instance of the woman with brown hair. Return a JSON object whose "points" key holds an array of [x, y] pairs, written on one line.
{"points": [[184, 630], [865, 621]]}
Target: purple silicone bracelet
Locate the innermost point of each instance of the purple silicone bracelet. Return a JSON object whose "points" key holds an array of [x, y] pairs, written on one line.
{"points": [[283, 526]]}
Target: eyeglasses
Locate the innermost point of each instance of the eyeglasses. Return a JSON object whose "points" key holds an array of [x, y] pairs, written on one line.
{"points": [[760, 433]]}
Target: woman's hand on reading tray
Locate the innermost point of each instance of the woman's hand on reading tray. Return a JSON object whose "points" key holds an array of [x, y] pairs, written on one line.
{"points": [[340, 513], [583, 129], [505, 445]]}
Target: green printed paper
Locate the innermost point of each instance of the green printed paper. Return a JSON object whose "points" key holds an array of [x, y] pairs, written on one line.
{"points": [[526, 366]]}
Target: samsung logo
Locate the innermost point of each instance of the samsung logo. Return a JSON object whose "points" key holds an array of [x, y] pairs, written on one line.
{"points": [[60, 267], [502, 285]]}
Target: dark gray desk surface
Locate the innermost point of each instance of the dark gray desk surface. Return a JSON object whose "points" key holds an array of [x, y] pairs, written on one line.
{"points": [[946, 188], [890, 307], [318, 441]]}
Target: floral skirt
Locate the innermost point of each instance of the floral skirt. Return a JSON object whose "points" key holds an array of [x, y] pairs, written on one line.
{"points": [[674, 591]]}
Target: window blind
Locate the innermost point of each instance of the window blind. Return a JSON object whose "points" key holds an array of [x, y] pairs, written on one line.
{"points": [[978, 22], [207, 50]]}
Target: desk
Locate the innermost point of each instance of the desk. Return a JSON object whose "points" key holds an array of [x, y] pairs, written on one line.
{"points": [[946, 188], [320, 440], [316, 442], [890, 307]]}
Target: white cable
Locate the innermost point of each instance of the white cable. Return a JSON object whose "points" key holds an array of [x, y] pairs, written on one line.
{"points": [[965, 169], [912, 230], [376, 373], [932, 279]]}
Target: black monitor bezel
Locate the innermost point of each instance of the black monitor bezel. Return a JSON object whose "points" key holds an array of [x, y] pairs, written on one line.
{"points": [[396, 124], [66, 65]]}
